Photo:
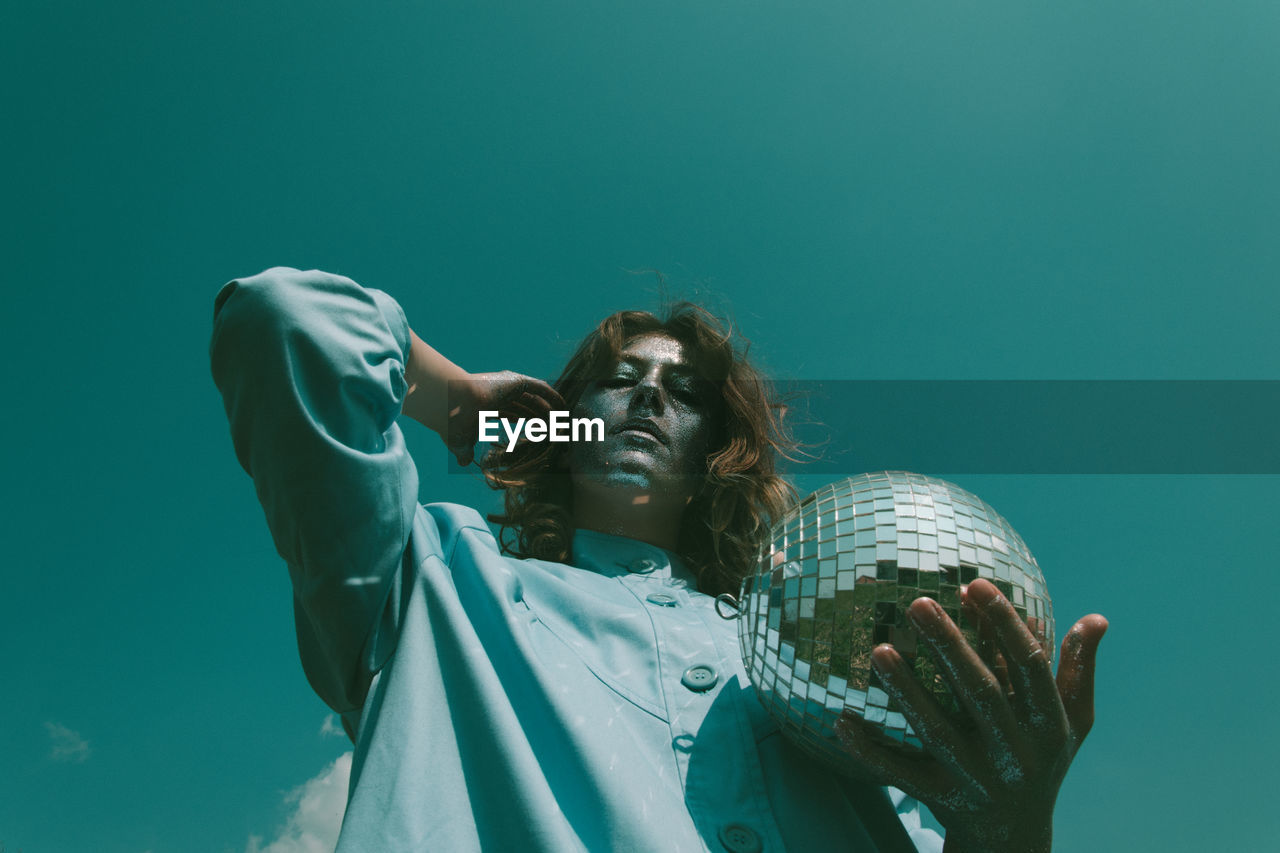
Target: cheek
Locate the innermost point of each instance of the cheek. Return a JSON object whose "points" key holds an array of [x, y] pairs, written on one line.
{"points": [[694, 439], [591, 406]]}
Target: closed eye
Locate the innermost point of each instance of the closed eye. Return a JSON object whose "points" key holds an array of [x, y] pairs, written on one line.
{"points": [[687, 393], [694, 392]]}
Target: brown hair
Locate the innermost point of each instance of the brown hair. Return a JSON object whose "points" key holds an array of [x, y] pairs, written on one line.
{"points": [[729, 515]]}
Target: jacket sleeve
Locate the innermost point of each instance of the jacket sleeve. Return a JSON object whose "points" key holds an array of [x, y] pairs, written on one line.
{"points": [[311, 370]]}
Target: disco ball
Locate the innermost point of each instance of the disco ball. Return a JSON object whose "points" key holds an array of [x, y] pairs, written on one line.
{"points": [[835, 580]]}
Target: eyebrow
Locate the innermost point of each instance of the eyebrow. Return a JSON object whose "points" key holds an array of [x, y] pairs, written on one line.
{"points": [[680, 369]]}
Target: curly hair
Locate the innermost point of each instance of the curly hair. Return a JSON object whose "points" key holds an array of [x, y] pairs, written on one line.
{"points": [[729, 515]]}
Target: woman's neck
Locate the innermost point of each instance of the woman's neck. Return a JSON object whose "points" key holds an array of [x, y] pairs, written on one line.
{"points": [[636, 516]]}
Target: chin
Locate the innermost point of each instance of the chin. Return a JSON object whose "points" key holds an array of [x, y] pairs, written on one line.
{"points": [[618, 479]]}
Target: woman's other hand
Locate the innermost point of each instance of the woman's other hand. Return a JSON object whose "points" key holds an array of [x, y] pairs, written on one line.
{"points": [[990, 775]]}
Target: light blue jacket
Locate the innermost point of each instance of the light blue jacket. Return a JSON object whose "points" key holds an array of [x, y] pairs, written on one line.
{"points": [[498, 704]]}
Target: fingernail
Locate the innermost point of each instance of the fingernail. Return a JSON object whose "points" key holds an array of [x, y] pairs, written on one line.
{"points": [[884, 659], [924, 616], [1071, 645], [983, 594]]}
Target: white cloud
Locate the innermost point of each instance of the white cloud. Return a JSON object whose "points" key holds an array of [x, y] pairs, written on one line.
{"points": [[67, 745], [318, 804], [331, 727]]}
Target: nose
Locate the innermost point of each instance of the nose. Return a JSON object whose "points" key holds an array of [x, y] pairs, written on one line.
{"points": [[647, 398]]}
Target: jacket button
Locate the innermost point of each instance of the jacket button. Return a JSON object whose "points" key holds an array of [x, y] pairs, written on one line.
{"points": [[737, 838], [699, 678], [661, 599]]}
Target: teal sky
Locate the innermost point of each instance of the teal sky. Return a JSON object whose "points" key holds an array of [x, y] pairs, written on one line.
{"points": [[996, 190]]}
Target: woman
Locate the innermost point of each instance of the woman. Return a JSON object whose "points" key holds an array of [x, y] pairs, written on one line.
{"points": [[582, 694]]}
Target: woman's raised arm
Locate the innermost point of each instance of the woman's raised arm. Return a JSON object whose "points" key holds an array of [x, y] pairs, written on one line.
{"points": [[313, 371]]}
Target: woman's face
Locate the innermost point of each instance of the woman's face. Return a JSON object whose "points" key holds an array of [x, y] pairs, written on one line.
{"points": [[657, 424]]}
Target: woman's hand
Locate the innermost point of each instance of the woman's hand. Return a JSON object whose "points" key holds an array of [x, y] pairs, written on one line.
{"points": [[511, 395], [991, 776], [445, 398]]}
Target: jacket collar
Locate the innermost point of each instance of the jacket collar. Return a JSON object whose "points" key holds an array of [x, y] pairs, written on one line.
{"points": [[618, 556]]}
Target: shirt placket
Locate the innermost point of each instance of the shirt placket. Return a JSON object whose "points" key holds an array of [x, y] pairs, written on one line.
{"points": [[729, 806]]}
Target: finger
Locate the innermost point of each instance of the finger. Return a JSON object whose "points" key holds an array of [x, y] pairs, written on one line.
{"points": [[542, 390], [971, 680], [1000, 669], [538, 406], [521, 408], [464, 454], [1075, 672], [458, 429], [987, 643], [1029, 668], [1038, 628], [516, 395], [889, 762], [529, 399], [988, 647], [931, 724], [548, 402]]}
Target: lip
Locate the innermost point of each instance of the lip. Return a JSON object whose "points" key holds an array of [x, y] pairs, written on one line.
{"points": [[641, 425]]}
